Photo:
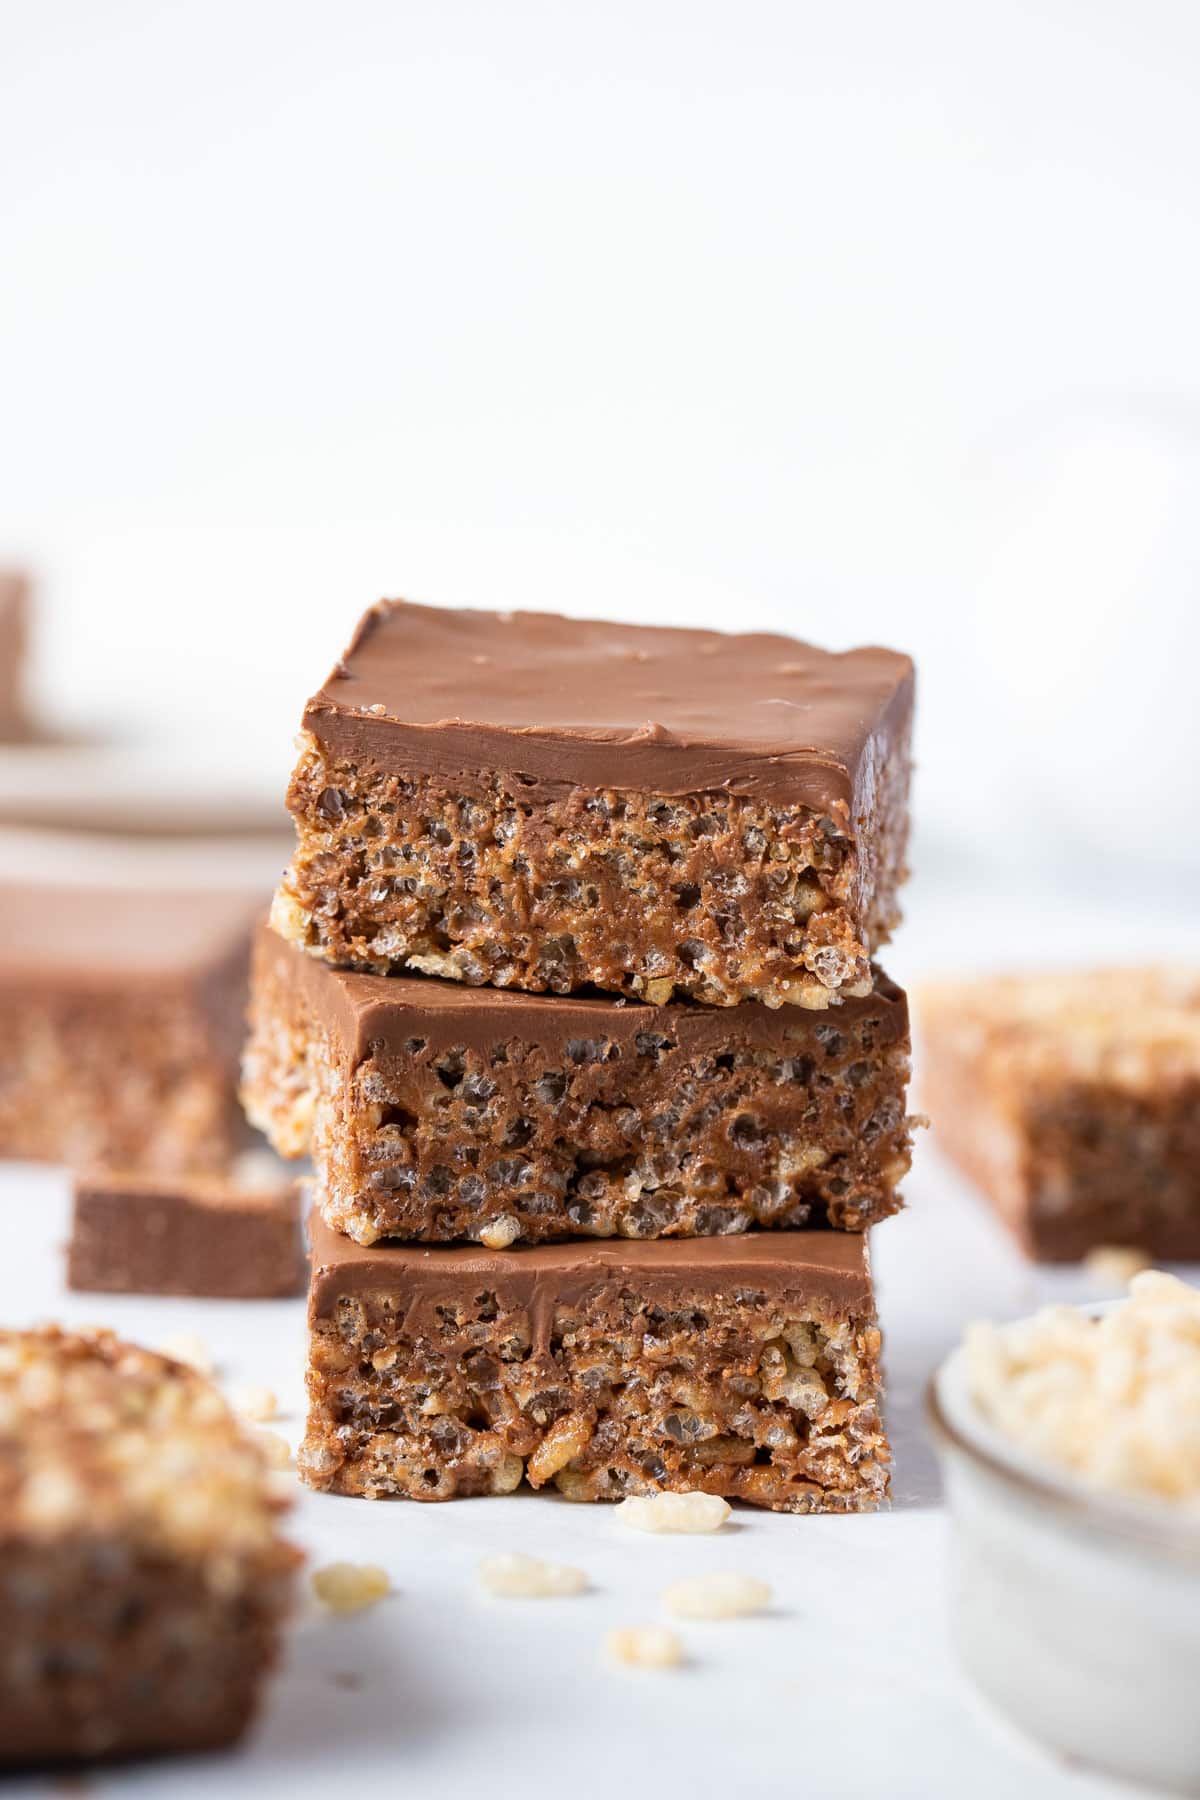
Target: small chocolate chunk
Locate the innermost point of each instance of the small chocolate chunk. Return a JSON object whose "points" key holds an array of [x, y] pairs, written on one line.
{"points": [[199, 1235]]}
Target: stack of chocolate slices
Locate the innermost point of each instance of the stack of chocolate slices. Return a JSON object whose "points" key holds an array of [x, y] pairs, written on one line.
{"points": [[569, 993]]}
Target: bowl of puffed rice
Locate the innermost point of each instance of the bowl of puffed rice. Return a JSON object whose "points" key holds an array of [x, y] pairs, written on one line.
{"points": [[1070, 1447]]}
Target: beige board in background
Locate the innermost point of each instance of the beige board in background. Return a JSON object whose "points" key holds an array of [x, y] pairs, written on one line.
{"points": [[110, 859], [167, 790]]}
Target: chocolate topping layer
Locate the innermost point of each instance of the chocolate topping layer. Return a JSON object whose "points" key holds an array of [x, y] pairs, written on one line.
{"points": [[74, 936], [576, 702], [828, 1267], [361, 1011]]}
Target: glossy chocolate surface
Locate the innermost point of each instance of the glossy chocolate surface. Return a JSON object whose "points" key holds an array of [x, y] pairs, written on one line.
{"points": [[572, 702], [830, 1269]]}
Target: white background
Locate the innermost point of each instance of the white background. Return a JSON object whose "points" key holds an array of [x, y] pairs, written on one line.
{"points": [[861, 322]]}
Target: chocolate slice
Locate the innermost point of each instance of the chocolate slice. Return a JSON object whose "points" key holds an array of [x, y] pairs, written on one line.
{"points": [[442, 1113], [120, 1025], [746, 1367], [523, 800]]}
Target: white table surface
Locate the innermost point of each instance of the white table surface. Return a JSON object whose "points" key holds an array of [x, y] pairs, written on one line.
{"points": [[847, 1687]]}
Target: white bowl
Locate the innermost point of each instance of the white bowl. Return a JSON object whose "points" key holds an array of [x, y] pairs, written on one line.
{"points": [[1077, 1613]]}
